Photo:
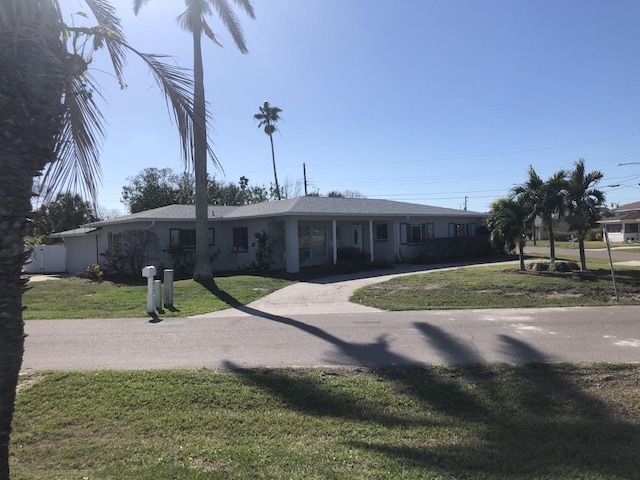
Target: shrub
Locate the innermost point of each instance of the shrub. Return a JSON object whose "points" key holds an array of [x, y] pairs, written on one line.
{"points": [[264, 248], [184, 260], [560, 267], [133, 250], [439, 249], [94, 273], [352, 255]]}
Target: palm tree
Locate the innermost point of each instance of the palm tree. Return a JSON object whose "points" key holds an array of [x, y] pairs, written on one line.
{"points": [[193, 20], [582, 204], [544, 199], [267, 117], [509, 223], [50, 122]]}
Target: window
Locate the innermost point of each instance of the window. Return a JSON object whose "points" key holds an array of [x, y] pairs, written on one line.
{"points": [[241, 239], [382, 234], [114, 240], [186, 237], [312, 242], [631, 228], [462, 229], [415, 233], [614, 227]]}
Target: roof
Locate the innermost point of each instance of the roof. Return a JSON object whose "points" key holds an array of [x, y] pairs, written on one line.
{"points": [[627, 207], [629, 217], [337, 206], [75, 232], [299, 206]]}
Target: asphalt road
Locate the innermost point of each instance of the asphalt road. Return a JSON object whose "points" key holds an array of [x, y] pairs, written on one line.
{"points": [[257, 338]]}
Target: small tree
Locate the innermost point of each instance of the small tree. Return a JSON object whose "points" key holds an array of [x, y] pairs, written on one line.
{"points": [[544, 199], [583, 203], [508, 224]]}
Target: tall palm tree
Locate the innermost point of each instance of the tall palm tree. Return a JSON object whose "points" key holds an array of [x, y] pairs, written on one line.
{"points": [[509, 223], [544, 199], [50, 123], [267, 117], [582, 203], [193, 20]]}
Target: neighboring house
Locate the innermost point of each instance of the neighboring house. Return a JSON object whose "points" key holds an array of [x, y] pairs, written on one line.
{"points": [[304, 231], [623, 226]]}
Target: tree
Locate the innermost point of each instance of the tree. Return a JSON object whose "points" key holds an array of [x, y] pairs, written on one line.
{"points": [[158, 187], [509, 223], [193, 20], [66, 212], [582, 203], [232, 194], [267, 117], [51, 124], [346, 194], [544, 199]]}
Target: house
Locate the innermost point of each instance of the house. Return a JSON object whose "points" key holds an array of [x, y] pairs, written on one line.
{"points": [[303, 231], [623, 225]]}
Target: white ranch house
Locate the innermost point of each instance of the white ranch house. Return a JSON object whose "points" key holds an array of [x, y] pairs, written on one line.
{"points": [[624, 226], [305, 231]]}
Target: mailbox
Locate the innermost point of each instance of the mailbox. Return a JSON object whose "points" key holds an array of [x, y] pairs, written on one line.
{"points": [[149, 271]]}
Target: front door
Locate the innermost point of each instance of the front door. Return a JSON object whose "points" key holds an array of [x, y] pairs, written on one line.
{"points": [[356, 234]]}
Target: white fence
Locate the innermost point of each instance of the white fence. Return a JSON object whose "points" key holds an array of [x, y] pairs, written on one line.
{"points": [[46, 259]]}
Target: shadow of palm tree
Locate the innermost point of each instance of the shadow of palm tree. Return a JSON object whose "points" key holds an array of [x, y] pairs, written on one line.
{"points": [[527, 414]]}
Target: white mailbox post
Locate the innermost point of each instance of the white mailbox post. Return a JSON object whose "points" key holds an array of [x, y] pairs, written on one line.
{"points": [[149, 272]]}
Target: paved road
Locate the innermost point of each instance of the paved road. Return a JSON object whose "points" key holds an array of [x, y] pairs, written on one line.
{"points": [[313, 324], [605, 334]]}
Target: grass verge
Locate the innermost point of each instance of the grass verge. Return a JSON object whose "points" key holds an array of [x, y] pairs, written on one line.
{"points": [[482, 422], [500, 287], [80, 298]]}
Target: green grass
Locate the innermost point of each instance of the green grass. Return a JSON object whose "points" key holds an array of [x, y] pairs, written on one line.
{"points": [[587, 244], [80, 298], [480, 422], [501, 287]]}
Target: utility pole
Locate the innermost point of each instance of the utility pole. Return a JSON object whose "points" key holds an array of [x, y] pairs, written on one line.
{"points": [[304, 173], [465, 202]]}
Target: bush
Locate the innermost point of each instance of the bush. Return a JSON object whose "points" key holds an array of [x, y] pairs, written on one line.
{"points": [[560, 267], [264, 248], [133, 250], [439, 249], [352, 255], [94, 273]]}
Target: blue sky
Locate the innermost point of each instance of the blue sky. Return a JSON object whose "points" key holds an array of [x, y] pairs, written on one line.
{"points": [[424, 101]]}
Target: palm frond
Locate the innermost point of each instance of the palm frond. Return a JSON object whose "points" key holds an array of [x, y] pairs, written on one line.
{"points": [[230, 20], [110, 30], [177, 86], [78, 144]]}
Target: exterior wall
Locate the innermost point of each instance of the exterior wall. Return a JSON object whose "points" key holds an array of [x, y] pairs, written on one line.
{"points": [[283, 233], [82, 251], [629, 232], [46, 259]]}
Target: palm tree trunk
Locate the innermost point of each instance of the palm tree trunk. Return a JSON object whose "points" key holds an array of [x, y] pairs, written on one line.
{"points": [[275, 174], [552, 241], [202, 271], [32, 81], [583, 257], [521, 255]]}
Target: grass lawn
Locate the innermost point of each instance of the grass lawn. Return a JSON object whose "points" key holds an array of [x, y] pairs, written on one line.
{"points": [[480, 422], [502, 287], [80, 298]]}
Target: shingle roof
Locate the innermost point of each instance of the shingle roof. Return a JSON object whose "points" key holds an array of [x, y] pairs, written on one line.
{"points": [[299, 206], [342, 207], [627, 206], [74, 232]]}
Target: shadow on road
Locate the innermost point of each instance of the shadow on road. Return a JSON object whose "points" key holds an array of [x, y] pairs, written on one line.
{"points": [[542, 413]]}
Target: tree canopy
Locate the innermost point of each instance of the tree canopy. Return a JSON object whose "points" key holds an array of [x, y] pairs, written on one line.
{"points": [[66, 212], [158, 187]]}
